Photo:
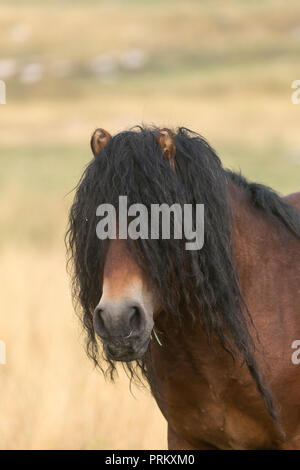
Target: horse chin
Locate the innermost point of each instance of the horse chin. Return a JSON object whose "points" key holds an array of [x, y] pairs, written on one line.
{"points": [[126, 354]]}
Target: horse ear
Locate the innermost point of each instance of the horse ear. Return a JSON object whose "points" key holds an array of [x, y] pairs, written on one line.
{"points": [[99, 140], [166, 141]]}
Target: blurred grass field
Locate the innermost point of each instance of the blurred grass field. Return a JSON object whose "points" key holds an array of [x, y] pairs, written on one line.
{"points": [[223, 69]]}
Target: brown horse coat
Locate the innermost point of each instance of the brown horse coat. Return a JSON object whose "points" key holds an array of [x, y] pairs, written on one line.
{"points": [[211, 402]]}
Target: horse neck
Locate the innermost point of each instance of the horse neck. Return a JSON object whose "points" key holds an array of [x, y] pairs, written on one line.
{"points": [[188, 341], [256, 235]]}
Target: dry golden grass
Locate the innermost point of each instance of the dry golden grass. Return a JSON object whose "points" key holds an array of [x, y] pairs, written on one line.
{"points": [[213, 67], [51, 398]]}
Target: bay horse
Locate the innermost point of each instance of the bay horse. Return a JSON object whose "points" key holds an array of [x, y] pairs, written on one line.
{"points": [[211, 330]]}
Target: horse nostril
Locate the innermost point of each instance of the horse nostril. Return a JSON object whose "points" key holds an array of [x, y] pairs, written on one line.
{"points": [[99, 322], [135, 321]]}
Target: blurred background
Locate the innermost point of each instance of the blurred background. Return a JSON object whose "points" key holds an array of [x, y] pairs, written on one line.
{"points": [[223, 69]]}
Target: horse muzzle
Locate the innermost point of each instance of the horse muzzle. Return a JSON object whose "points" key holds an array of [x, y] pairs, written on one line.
{"points": [[124, 328]]}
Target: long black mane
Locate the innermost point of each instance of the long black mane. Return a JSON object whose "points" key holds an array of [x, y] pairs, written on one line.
{"points": [[204, 282]]}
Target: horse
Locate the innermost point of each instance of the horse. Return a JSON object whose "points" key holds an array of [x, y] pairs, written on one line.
{"points": [[210, 330]]}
